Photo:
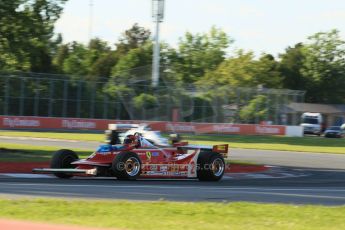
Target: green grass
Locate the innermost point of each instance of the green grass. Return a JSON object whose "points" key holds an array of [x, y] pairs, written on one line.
{"points": [[304, 144], [174, 215], [28, 153]]}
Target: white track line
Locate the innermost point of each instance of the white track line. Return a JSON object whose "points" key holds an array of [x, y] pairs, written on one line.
{"points": [[26, 175]]}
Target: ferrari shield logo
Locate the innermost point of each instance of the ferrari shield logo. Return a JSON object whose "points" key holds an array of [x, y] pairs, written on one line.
{"points": [[148, 155]]}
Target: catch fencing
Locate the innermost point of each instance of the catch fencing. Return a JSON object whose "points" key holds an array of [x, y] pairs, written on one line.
{"points": [[133, 98]]}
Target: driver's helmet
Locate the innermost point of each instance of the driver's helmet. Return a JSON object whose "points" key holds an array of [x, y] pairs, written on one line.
{"points": [[131, 140]]}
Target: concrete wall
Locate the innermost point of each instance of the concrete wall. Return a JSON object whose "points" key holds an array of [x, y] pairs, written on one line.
{"points": [[294, 131]]}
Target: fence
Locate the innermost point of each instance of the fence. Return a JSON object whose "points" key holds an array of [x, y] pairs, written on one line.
{"points": [[50, 95]]}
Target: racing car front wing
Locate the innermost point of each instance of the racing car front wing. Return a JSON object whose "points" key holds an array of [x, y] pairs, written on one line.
{"points": [[72, 171]]}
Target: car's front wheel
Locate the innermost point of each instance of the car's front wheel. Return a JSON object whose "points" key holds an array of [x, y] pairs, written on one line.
{"points": [[62, 159], [126, 166]]}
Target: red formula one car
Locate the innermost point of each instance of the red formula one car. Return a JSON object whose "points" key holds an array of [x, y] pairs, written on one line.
{"points": [[137, 157]]}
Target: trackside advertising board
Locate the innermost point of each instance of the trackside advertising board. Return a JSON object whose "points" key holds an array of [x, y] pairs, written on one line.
{"points": [[23, 122]]}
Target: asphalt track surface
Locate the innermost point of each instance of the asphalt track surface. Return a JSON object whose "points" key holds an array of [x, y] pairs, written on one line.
{"points": [[303, 179]]}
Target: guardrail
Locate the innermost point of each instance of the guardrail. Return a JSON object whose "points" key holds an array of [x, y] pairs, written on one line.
{"points": [[23, 122]]}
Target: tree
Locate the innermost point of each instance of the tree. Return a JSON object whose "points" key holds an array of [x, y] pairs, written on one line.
{"points": [[93, 62], [243, 70], [199, 53], [100, 60], [290, 66], [132, 38], [324, 68], [267, 72], [256, 110], [145, 101], [60, 56], [101, 68], [133, 64], [27, 34], [75, 64]]}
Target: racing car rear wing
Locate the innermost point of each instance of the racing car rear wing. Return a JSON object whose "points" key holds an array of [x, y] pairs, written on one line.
{"points": [[221, 149]]}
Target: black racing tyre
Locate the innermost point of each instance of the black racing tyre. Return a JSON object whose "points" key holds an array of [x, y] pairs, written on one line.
{"points": [[62, 159], [126, 166], [211, 166]]}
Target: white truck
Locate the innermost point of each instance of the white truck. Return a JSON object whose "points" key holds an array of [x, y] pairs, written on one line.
{"points": [[312, 123]]}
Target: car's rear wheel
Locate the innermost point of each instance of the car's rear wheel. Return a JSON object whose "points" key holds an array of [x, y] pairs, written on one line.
{"points": [[126, 166], [62, 159], [211, 166]]}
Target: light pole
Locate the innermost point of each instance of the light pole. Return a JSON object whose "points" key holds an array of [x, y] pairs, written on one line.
{"points": [[90, 19], [158, 15]]}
